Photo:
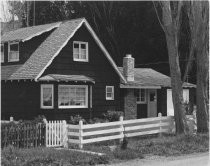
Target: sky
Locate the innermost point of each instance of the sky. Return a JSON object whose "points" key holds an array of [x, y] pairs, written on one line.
{"points": [[5, 15]]}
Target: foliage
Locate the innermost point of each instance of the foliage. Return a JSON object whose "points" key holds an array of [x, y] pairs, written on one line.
{"points": [[75, 120], [188, 111], [48, 156], [112, 116], [97, 120]]}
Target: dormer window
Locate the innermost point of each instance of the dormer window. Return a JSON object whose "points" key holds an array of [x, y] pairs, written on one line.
{"points": [[13, 52], [80, 51], [2, 53]]}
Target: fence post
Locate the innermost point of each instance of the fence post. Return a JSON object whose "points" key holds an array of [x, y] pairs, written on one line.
{"points": [[160, 130], [122, 129], [46, 132], [65, 135], [11, 119], [80, 134]]}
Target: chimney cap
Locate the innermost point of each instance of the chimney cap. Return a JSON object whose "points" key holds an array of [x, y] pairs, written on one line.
{"points": [[128, 56]]}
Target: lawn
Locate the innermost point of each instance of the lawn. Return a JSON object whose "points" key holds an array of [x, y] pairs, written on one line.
{"points": [[139, 147], [48, 157]]}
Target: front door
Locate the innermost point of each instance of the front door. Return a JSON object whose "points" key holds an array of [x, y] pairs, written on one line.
{"points": [[152, 103]]}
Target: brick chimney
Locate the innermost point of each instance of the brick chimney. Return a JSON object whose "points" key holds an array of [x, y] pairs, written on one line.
{"points": [[128, 67]]}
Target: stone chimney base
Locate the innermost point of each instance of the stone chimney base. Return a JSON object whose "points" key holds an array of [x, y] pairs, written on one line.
{"points": [[130, 107]]}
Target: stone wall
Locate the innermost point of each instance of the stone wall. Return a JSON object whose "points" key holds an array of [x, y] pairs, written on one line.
{"points": [[130, 107]]}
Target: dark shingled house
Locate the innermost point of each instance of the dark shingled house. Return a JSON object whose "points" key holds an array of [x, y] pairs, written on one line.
{"points": [[62, 69]]}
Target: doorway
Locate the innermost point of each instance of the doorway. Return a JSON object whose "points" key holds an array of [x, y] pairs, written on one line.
{"points": [[152, 103]]}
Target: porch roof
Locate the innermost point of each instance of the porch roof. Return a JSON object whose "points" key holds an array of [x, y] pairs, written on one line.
{"points": [[66, 78], [149, 78]]}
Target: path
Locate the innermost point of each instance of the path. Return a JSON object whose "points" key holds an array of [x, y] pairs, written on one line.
{"points": [[201, 159]]}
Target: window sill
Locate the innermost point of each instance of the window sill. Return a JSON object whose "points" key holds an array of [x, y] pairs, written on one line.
{"points": [[81, 60], [70, 107]]}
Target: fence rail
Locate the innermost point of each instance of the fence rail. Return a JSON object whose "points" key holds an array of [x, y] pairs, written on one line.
{"points": [[82, 134]]}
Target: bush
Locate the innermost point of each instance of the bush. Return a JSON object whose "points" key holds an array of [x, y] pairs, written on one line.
{"points": [[75, 120], [112, 116]]}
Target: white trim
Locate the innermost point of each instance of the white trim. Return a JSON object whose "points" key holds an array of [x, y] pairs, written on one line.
{"points": [[145, 97], [110, 98], [2, 53], [11, 43], [91, 96], [86, 45], [139, 87], [79, 106], [97, 41], [39, 33], [41, 102]]}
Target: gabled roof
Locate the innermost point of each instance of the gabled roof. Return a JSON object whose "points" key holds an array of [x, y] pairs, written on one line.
{"points": [[7, 71], [24, 34], [59, 77], [146, 77], [43, 56]]}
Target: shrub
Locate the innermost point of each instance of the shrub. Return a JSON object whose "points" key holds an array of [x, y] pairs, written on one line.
{"points": [[75, 120], [112, 116]]}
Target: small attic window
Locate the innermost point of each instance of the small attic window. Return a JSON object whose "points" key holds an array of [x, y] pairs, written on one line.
{"points": [[80, 51], [2, 53], [13, 52]]}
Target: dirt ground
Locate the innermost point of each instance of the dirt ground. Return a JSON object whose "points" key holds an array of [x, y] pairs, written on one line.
{"points": [[200, 159]]}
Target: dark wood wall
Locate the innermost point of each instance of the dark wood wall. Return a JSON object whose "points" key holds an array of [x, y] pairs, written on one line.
{"points": [[98, 68], [20, 99]]}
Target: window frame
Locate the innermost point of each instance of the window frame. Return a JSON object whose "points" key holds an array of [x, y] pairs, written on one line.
{"points": [[87, 56], [2, 53], [75, 106], [9, 44], [110, 98], [52, 87], [145, 97]]}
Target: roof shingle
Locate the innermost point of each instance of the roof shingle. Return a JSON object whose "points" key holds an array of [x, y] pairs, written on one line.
{"points": [[27, 33], [150, 77]]}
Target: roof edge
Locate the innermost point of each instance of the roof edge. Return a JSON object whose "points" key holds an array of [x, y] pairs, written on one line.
{"points": [[39, 33]]}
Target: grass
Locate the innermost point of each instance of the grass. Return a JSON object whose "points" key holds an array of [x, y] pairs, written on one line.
{"points": [[48, 157], [167, 145], [170, 145]]}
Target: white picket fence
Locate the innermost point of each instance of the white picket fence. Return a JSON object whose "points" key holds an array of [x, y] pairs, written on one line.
{"points": [[55, 133], [58, 133]]}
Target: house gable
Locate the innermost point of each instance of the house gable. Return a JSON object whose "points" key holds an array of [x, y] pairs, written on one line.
{"points": [[51, 47]]}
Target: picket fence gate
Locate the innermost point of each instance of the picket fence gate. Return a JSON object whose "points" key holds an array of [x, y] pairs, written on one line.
{"points": [[55, 133]]}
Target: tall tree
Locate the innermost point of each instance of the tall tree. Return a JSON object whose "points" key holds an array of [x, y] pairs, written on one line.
{"points": [[171, 23], [198, 12]]}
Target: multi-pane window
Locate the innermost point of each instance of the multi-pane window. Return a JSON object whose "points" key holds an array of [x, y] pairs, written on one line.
{"points": [[80, 51], [13, 52], [2, 53], [72, 96], [47, 96], [141, 96], [109, 92]]}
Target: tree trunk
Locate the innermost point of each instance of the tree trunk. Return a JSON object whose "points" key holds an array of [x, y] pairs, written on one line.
{"points": [[171, 31], [176, 83], [201, 91]]}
